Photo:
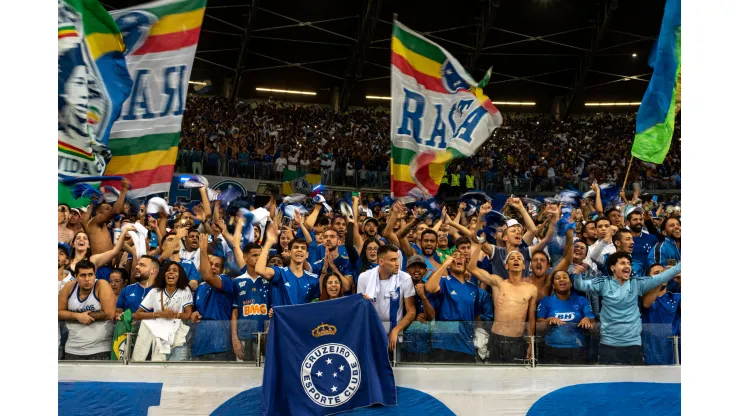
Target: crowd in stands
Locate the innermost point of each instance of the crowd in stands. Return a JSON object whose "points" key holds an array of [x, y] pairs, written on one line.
{"points": [[528, 153], [596, 281]]}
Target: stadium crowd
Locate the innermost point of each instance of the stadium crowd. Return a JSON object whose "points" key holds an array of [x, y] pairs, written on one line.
{"points": [[595, 279], [528, 153]]}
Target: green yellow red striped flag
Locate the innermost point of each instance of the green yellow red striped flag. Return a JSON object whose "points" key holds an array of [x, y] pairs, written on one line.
{"points": [[93, 84], [439, 112], [161, 38]]}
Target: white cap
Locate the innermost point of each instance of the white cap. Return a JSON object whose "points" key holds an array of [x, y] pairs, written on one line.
{"points": [[512, 222], [157, 204]]}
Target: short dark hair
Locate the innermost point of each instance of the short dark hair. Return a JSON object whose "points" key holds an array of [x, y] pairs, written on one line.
{"points": [[542, 253], [84, 264], [323, 220], [164, 237], [665, 222], [650, 268], [251, 246], [610, 210], [153, 259], [614, 258], [386, 248], [462, 240], [601, 218], [296, 241], [428, 231], [65, 205], [589, 222], [193, 230], [619, 233], [338, 217]]}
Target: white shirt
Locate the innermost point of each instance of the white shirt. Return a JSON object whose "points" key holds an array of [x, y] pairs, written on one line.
{"points": [[177, 302], [64, 281], [383, 303], [280, 164]]}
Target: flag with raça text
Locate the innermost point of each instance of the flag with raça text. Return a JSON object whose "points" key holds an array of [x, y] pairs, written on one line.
{"points": [[93, 83], [320, 362], [161, 38], [438, 112]]}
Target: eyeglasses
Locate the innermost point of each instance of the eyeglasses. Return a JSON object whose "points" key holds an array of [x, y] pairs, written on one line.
{"points": [[372, 249]]}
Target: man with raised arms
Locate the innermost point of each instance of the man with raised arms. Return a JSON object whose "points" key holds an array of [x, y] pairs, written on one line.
{"points": [[515, 302]]}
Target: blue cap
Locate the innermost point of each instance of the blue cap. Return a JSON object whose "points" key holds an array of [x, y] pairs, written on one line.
{"points": [[65, 247]]}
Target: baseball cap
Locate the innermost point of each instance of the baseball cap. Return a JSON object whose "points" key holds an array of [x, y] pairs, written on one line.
{"points": [[64, 247], [368, 219], [512, 222], [75, 210], [415, 259]]}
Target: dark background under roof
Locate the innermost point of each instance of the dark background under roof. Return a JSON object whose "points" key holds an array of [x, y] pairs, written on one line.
{"points": [[592, 41]]}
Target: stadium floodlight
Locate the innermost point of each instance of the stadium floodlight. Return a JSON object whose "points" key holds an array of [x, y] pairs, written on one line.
{"points": [[528, 103], [286, 91], [612, 104], [198, 83], [377, 97]]}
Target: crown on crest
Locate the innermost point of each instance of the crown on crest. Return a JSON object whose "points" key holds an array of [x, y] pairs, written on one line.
{"points": [[324, 329]]}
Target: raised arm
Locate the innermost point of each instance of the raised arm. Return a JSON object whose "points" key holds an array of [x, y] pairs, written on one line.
{"points": [[357, 239], [261, 267], [482, 275], [554, 210], [599, 207], [206, 203], [298, 218], [432, 284], [516, 203], [100, 219], [205, 265], [567, 258], [238, 253], [644, 284], [312, 217], [103, 258]]}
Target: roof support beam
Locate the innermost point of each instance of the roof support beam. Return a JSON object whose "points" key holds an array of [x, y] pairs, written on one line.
{"points": [[492, 6], [603, 26], [359, 51], [242, 60]]}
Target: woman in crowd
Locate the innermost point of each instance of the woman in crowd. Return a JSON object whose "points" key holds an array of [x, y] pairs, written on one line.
{"points": [[118, 279], [162, 312], [81, 249], [566, 314], [331, 287]]}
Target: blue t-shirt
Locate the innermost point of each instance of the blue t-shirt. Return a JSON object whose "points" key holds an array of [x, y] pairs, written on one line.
{"points": [[571, 312], [131, 297], [191, 271], [252, 302], [213, 333], [457, 306], [643, 244], [657, 328], [342, 262], [486, 305], [288, 289]]}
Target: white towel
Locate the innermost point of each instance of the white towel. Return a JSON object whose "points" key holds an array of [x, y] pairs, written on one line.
{"points": [[138, 236], [372, 289]]}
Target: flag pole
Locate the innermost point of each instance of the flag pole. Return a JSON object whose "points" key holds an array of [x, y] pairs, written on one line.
{"points": [[628, 173]]}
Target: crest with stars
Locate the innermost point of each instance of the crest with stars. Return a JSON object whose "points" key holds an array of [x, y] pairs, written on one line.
{"points": [[451, 80], [330, 375]]}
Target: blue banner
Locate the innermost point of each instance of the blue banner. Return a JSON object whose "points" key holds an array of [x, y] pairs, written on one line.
{"points": [[325, 358]]}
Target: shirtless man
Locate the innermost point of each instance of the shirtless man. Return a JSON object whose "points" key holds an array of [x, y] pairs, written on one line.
{"points": [[542, 272], [64, 233], [96, 228], [515, 302]]}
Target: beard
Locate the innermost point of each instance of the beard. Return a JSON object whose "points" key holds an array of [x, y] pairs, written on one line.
{"points": [[636, 228], [140, 278]]}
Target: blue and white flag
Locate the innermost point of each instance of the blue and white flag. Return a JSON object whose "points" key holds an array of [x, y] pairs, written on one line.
{"points": [[320, 362]]}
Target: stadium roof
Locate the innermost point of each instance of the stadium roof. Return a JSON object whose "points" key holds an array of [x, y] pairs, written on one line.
{"points": [[579, 50]]}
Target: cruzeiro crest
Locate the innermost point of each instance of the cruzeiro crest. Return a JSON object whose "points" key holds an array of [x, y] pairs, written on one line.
{"points": [[330, 375]]}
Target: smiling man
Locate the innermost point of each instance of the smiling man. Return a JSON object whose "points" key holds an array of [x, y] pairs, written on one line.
{"points": [[620, 314]]}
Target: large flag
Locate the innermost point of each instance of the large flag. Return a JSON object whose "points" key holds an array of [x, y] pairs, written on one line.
{"points": [[161, 38], [661, 102], [438, 112], [93, 84], [320, 362]]}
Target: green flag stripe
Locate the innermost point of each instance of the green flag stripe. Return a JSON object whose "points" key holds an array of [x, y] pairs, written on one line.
{"points": [[177, 7], [419, 45], [402, 156], [95, 19], [136, 145]]}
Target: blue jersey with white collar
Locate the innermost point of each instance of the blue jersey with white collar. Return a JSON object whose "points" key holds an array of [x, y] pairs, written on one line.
{"points": [[657, 328], [213, 332], [457, 306], [289, 289], [571, 311], [131, 297], [252, 302], [643, 244]]}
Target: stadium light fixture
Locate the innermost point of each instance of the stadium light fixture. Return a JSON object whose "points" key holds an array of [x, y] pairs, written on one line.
{"points": [[634, 55], [377, 97], [612, 104], [286, 91], [527, 103], [198, 83]]}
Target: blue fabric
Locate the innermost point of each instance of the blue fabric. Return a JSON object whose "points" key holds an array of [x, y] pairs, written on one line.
{"points": [[301, 364], [661, 253], [643, 244], [571, 312], [458, 305], [131, 297], [486, 305], [658, 328], [191, 271], [417, 336], [252, 302], [107, 398], [288, 289], [213, 333]]}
